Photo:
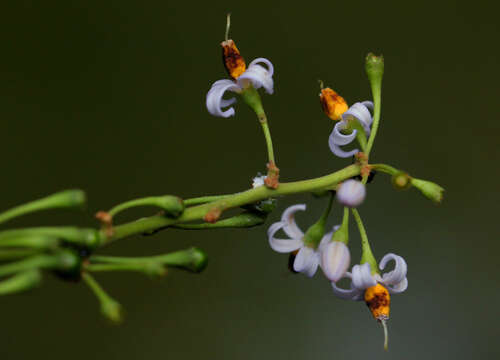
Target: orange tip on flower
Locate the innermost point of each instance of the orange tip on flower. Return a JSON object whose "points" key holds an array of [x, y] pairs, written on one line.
{"points": [[233, 61], [378, 300], [332, 103]]}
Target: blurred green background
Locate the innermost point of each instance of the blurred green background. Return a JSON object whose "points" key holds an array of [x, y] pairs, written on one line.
{"points": [[109, 96]]}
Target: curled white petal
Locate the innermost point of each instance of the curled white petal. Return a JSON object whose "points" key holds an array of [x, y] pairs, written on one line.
{"points": [[282, 245], [288, 219], [259, 76], [347, 294], [351, 193], [335, 260], [338, 139], [214, 100], [398, 288], [398, 274], [360, 112], [270, 67], [306, 261], [362, 277]]}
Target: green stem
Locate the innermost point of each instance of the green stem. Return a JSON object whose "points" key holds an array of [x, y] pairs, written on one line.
{"points": [[232, 201], [35, 262], [20, 282], [64, 199], [109, 307], [14, 254], [147, 268], [82, 236], [267, 136], [376, 85], [386, 169], [367, 254], [204, 199]]}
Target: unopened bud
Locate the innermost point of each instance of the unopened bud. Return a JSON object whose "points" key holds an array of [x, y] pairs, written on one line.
{"points": [[233, 61], [335, 260], [351, 193], [430, 190], [332, 103]]}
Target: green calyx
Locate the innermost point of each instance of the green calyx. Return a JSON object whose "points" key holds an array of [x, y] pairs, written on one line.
{"points": [[429, 189], [374, 66], [252, 98], [342, 233], [315, 233]]}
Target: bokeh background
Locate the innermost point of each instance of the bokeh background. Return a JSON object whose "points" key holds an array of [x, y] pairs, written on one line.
{"points": [[108, 96]]}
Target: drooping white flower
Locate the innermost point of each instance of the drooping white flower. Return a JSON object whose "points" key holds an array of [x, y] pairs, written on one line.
{"points": [[256, 75], [359, 111], [307, 259], [362, 278], [351, 193]]}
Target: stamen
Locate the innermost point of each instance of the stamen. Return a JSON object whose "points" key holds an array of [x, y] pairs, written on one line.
{"points": [[228, 25], [386, 334]]}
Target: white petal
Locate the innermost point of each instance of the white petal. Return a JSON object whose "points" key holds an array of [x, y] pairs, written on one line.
{"points": [[335, 260], [347, 294], [361, 112], [282, 245], [351, 193], [270, 67], [306, 261], [398, 274], [259, 76], [338, 139], [398, 288], [288, 218], [326, 239], [362, 277], [214, 101]]}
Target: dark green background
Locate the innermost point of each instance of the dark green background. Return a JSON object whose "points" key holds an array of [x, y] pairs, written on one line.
{"points": [[108, 96]]}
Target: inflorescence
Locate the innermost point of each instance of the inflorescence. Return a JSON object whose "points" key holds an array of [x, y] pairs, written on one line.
{"points": [[69, 252]]}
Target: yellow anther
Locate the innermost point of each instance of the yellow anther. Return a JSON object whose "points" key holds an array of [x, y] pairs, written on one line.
{"points": [[332, 103]]}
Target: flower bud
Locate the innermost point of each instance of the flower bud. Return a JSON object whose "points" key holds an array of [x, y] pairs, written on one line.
{"points": [[430, 190], [351, 193], [233, 61], [335, 260], [332, 103]]}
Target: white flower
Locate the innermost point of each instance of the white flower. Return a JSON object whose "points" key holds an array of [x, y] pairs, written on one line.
{"points": [[361, 278], [335, 259], [256, 75], [258, 181], [351, 193], [307, 258], [359, 111]]}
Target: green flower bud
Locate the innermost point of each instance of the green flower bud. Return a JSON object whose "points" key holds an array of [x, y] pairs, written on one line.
{"points": [[430, 190], [199, 260]]}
